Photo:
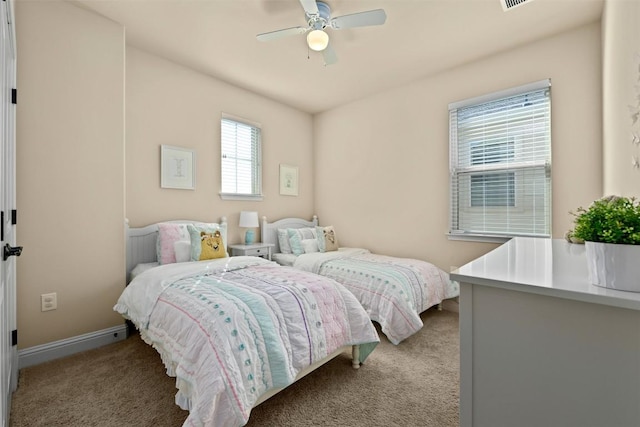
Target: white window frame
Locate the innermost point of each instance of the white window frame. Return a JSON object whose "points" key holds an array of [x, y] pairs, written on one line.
{"points": [[256, 160], [461, 208]]}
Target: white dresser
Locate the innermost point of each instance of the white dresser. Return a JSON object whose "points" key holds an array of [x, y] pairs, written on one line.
{"points": [[540, 346]]}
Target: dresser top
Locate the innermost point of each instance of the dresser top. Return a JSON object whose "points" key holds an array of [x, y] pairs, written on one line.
{"points": [[552, 267]]}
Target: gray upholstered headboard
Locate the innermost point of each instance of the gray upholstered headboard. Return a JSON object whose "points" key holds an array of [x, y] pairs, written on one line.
{"points": [[270, 230], [141, 242]]}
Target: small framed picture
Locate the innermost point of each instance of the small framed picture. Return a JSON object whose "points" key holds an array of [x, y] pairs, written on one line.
{"points": [[177, 167], [288, 180]]}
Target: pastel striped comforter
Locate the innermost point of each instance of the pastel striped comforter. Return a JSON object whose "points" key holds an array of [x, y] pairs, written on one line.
{"points": [[394, 291], [229, 330]]}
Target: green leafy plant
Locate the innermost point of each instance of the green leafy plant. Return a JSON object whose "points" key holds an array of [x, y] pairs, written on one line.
{"points": [[611, 219]]}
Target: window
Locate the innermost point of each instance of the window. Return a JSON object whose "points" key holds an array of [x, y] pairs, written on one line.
{"points": [[500, 164], [489, 189], [241, 162]]}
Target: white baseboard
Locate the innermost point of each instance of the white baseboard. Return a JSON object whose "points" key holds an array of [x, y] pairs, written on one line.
{"points": [[66, 347]]}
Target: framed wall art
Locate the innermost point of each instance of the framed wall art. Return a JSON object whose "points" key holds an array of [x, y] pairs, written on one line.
{"points": [[288, 180], [177, 167]]}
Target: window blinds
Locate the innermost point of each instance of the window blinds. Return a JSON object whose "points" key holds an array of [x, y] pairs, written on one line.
{"points": [[500, 159], [240, 148]]}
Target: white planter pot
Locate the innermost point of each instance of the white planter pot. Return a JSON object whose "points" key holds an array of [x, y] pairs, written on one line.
{"points": [[614, 266]]}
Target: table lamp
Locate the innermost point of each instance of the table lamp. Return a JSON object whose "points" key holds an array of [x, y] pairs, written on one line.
{"points": [[249, 220]]}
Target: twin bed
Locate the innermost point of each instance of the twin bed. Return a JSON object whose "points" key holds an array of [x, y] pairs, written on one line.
{"points": [[234, 331], [394, 291]]}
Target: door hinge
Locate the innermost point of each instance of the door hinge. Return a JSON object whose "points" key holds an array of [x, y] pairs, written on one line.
{"points": [[14, 96], [14, 337], [14, 216]]}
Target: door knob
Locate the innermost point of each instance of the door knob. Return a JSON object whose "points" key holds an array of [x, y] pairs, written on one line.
{"points": [[11, 251]]}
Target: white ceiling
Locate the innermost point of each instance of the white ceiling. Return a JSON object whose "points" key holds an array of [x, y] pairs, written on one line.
{"points": [[419, 38]]}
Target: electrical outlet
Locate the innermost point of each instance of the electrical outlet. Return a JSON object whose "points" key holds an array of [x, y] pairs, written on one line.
{"points": [[49, 301]]}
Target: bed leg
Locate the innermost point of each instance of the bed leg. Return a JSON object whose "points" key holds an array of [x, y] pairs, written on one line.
{"points": [[440, 307], [355, 355]]}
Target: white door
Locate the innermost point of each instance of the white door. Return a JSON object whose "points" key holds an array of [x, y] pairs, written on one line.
{"points": [[8, 214]]}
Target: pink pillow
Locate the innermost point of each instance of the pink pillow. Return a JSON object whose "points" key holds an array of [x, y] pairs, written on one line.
{"points": [[168, 235]]}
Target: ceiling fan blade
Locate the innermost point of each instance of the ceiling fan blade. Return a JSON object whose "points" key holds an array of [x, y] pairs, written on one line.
{"points": [[310, 7], [281, 33], [329, 55], [361, 19]]}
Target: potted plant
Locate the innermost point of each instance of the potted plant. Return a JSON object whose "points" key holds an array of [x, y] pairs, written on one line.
{"points": [[610, 228]]}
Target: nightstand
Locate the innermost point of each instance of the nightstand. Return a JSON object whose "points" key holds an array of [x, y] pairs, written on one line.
{"points": [[262, 250]]}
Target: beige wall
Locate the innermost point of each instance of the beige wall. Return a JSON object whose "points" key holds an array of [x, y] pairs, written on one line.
{"points": [[170, 104], [382, 162], [621, 89], [70, 170], [377, 169]]}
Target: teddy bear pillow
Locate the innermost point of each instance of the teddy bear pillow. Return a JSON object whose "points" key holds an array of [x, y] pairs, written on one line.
{"points": [[206, 242]]}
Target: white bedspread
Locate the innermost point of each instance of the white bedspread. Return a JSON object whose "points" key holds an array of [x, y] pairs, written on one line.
{"points": [[230, 330], [394, 291], [312, 262]]}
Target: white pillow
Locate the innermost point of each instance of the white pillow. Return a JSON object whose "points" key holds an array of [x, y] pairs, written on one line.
{"points": [[283, 241], [141, 268], [297, 235], [182, 248], [310, 246]]}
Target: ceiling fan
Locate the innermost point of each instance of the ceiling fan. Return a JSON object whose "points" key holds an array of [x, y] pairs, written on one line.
{"points": [[318, 17]]}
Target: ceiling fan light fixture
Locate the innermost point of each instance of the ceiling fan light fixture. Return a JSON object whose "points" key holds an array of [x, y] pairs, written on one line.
{"points": [[317, 40]]}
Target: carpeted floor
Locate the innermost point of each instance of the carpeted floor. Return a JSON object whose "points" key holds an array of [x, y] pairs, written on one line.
{"points": [[125, 384]]}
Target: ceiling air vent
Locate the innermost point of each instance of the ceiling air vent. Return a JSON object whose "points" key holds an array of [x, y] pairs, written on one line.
{"points": [[510, 4]]}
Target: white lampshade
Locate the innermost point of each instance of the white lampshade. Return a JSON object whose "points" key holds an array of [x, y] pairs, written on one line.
{"points": [[248, 219], [317, 40]]}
